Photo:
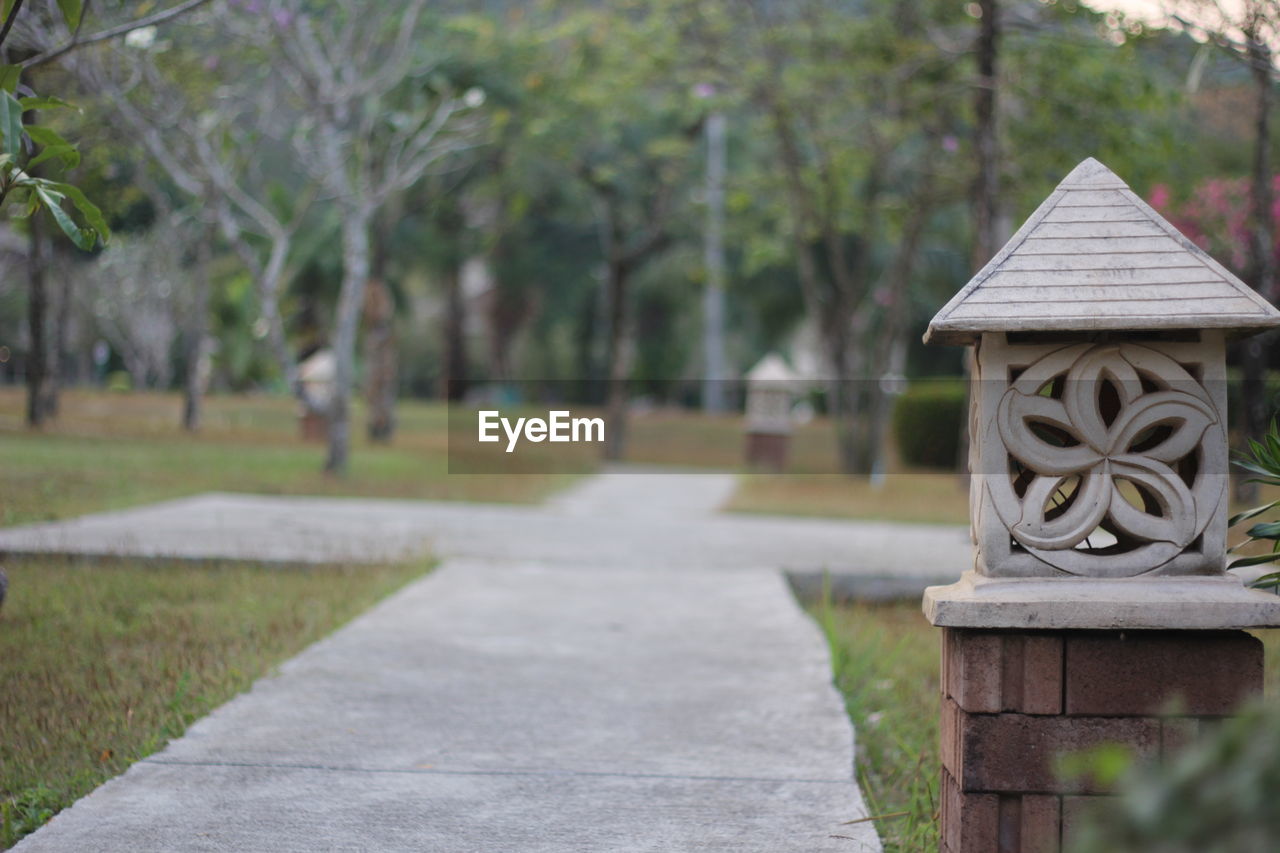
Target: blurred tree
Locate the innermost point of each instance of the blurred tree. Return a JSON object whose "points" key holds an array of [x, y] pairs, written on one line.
{"points": [[1247, 30], [986, 195], [858, 104], [375, 114], [626, 128], [211, 139], [20, 182]]}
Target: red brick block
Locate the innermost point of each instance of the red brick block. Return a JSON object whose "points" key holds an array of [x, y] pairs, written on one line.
{"points": [[1029, 824], [997, 823], [975, 665], [970, 822], [1042, 674], [1017, 753], [987, 672], [1041, 824], [1176, 734], [949, 736], [1075, 813], [1208, 673]]}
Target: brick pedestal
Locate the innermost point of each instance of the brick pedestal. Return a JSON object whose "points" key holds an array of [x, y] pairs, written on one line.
{"points": [[767, 451], [1013, 701]]}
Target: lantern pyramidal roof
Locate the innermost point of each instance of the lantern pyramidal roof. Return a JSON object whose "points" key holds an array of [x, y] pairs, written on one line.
{"points": [[1095, 256]]}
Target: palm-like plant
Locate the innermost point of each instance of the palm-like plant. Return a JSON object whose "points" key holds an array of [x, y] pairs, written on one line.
{"points": [[1263, 462]]}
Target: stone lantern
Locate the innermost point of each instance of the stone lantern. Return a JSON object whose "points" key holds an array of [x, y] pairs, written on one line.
{"points": [[1098, 600], [316, 376], [771, 392]]}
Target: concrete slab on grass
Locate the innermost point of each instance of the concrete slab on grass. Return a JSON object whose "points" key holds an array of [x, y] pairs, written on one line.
{"points": [[516, 707], [668, 523]]}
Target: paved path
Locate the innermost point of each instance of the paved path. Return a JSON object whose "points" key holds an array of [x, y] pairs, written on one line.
{"points": [[578, 677], [617, 519]]}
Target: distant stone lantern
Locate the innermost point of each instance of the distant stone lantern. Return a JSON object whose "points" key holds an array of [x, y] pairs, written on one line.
{"points": [[316, 376], [772, 387], [1098, 453]]}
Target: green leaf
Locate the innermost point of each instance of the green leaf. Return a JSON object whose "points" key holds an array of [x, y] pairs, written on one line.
{"points": [[9, 77], [45, 102], [6, 8], [1251, 513], [68, 154], [92, 215], [1273, 448], [71, 11], [10, 124], [1270, 581], [1253, 561], [45, 135], [1270, 530], [84, 238]]}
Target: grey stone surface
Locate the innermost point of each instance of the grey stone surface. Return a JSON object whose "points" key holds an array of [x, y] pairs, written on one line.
{"points": [[662, 526], [1071, 603], [540, 709], [575, 698]]}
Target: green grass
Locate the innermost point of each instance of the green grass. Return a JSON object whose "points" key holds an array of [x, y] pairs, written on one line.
{"points": [[103, 664], [110, 450], [885, 661], [931, 497]]}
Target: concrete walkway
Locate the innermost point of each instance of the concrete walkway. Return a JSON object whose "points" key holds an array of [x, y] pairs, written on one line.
{"points": [[640, 520], [570, 679]]}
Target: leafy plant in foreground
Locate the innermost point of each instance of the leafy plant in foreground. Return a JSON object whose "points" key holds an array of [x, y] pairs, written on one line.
{"points": [[23, 147], [1263, 461]]}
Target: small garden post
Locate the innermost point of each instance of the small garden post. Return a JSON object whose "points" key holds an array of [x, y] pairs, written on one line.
{"points": [[1098, 610], [772, 387]]}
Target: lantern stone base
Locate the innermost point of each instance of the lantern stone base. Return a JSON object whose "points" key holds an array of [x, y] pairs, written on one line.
{"points": [[313, 426], [1149, 603], [767, 450], [1014, 701]]}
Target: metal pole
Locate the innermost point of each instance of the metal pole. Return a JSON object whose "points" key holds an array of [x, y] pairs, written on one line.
{"points": [[713, 388]]}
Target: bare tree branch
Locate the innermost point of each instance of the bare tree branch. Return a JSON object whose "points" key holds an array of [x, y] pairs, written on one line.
{"points": [[78, 41]]}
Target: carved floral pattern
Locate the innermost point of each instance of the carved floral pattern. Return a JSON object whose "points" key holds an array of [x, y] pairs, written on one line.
{"points": [[1139, 434]]}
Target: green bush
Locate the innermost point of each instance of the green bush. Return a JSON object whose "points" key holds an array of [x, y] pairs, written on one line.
{"points": [[1219, 796], [927, 421], [119, 380]]}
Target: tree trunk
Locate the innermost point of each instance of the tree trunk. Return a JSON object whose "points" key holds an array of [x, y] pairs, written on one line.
{"points": [[269, 290], [196, 332], [616, 367], [455, 342], [380, 360], [1255, 351], [57, 348], [713, 385], [986, 196], [355, 273], [37, 304]]}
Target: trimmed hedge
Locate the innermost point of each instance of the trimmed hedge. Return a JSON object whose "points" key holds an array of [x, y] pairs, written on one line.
{"points": [[927, 421]]}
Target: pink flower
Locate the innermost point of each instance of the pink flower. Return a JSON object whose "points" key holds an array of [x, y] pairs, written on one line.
{"points": [[1159, 196]]}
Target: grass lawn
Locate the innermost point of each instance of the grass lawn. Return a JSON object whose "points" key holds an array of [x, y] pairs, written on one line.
{"points": [[885, 659], [103, 664], [109, 450], [935, 497], [112, 450]]}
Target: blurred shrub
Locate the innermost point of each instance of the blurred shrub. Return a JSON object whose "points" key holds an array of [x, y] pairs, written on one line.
{"points": [[1221, 795], [119, 380], [927, 421]]}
